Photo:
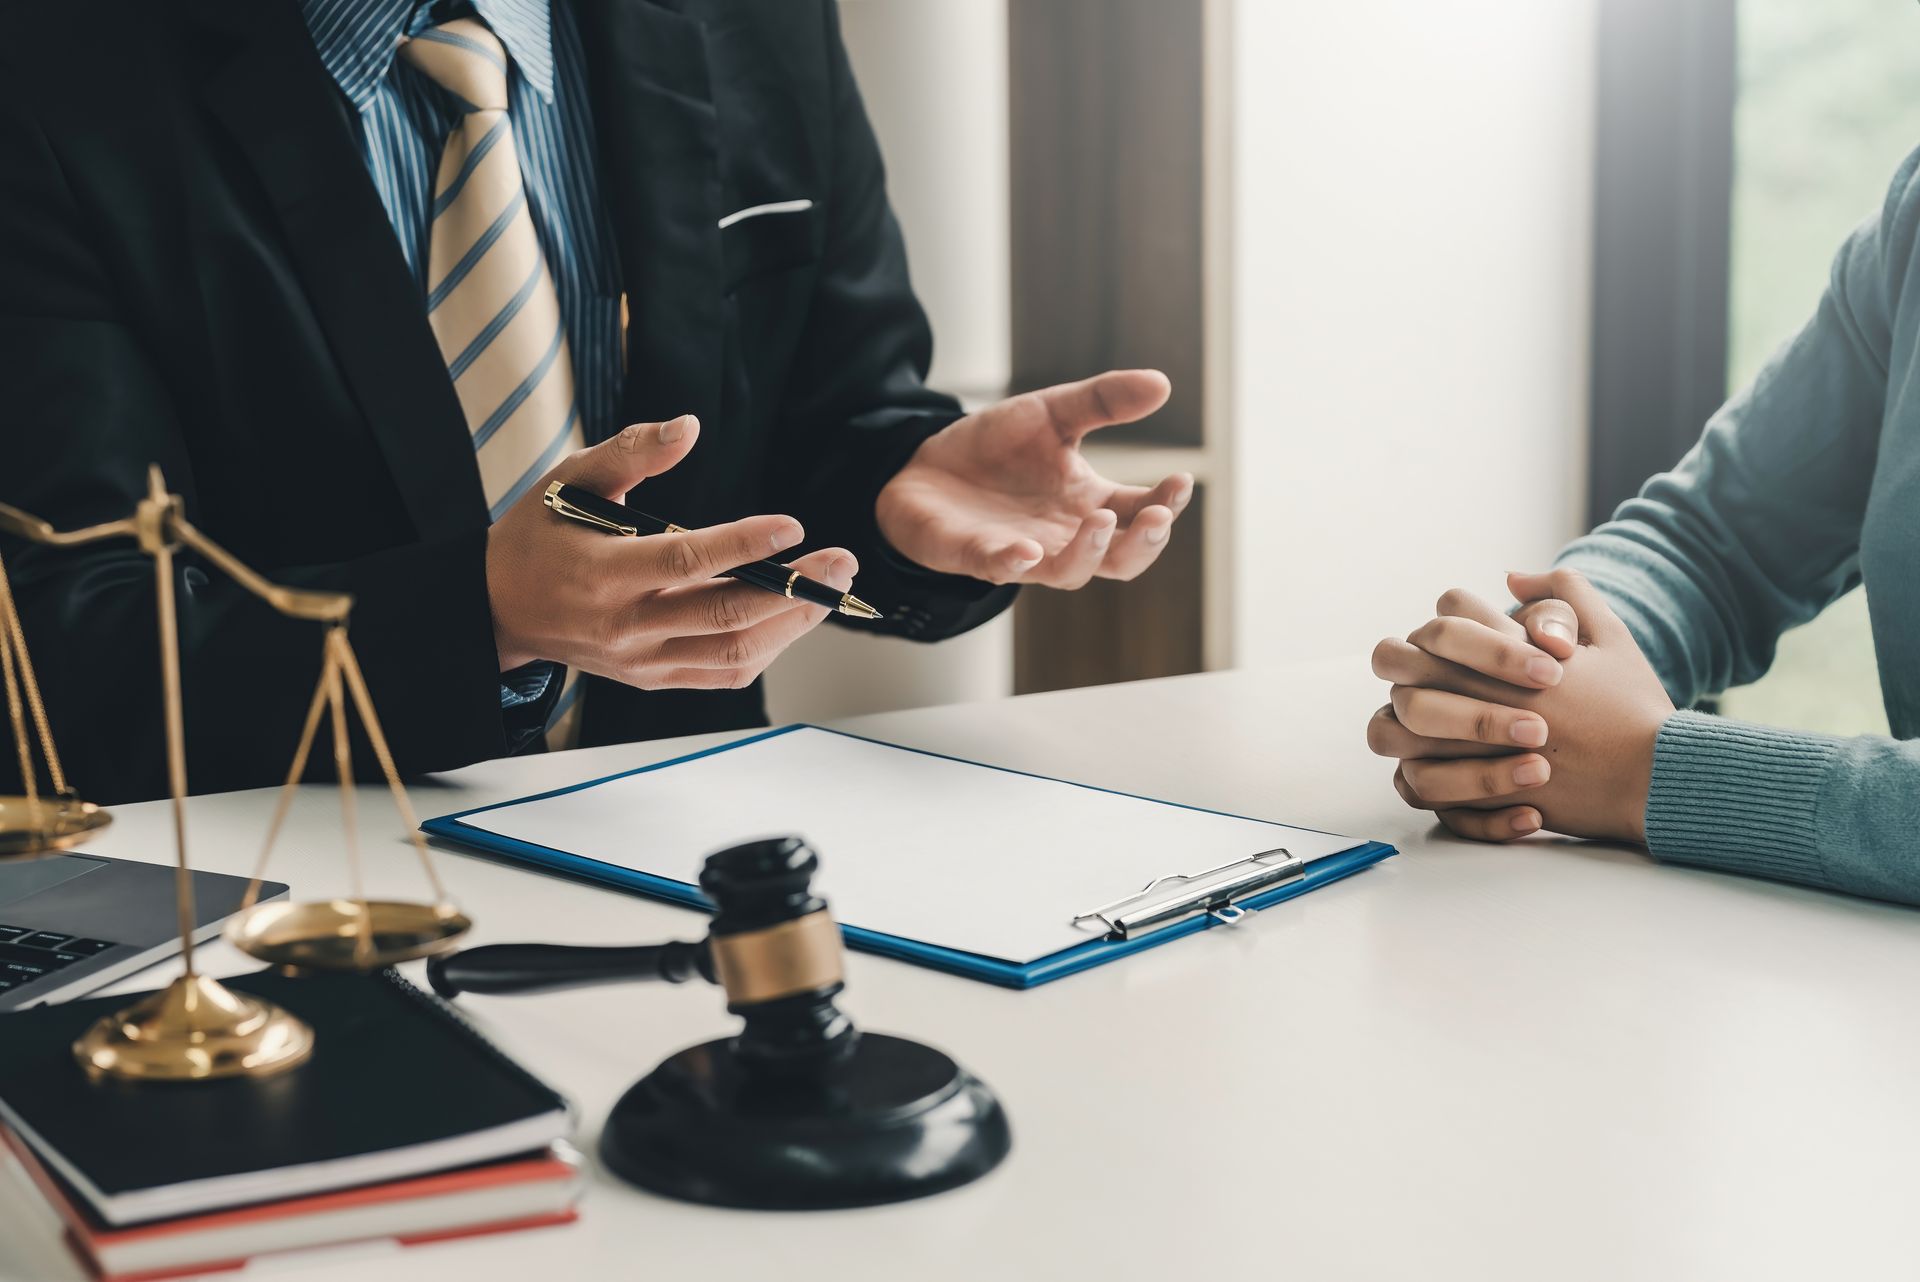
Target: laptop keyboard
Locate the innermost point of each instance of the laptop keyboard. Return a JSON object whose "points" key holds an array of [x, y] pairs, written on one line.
{"points": [[27, 955]]}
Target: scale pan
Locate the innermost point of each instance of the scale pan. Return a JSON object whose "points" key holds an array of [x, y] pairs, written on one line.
{"points": [[29, 829], [327, 935]]}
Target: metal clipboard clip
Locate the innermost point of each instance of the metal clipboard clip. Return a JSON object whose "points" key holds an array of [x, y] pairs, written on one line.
{"points": [[1213, 893]]}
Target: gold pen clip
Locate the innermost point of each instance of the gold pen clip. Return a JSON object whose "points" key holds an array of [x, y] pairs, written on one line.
{"points": [[561, 507]]}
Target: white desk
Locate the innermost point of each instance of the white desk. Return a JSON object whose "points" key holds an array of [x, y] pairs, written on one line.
{"points": [[1545, 1061]]}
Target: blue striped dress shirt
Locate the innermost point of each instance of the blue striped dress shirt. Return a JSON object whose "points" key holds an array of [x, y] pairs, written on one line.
{"points": [[403, 120]]}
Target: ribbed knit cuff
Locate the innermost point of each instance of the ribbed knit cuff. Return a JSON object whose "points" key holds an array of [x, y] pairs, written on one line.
{"points": [[1738, 797]]}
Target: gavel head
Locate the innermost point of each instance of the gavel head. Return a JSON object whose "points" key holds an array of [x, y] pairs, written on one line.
{"points": [[776, 951], [761, 884]]}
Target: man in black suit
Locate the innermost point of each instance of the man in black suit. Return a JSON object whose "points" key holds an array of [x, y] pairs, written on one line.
{"points": [[231, 243]]}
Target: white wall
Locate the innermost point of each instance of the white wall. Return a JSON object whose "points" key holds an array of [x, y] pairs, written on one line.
{"points": [[934, 75], [1410, 214]]}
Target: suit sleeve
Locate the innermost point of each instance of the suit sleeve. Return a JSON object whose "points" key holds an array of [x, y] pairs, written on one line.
{"points": [[87, 410], [858, 405]]}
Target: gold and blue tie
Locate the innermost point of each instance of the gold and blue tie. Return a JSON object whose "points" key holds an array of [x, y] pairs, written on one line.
{"points": [[490, 298]]}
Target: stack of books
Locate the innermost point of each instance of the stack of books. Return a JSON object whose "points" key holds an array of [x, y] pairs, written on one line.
{"points": [[406, 1126]]}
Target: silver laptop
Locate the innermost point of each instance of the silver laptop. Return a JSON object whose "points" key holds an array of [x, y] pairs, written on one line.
{"points": [[74, 923]]}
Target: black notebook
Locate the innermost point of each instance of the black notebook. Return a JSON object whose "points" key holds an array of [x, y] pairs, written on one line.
{"points": [[398, 1085]]}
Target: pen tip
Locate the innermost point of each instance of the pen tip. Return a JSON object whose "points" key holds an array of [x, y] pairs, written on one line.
{"points": [[859, 609]]}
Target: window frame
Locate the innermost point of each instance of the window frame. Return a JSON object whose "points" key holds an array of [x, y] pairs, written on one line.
{"points": [[1663, 228]]}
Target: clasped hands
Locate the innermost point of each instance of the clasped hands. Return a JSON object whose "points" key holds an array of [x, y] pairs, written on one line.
{"points": [[1505, 725], [1002, 494]]}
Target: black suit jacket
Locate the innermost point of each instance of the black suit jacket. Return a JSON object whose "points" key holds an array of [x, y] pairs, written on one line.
{"points": [[196, 271]]}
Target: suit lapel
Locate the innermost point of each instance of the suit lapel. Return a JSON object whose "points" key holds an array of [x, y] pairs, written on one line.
{"points": [[658, 163], [274, 98]]}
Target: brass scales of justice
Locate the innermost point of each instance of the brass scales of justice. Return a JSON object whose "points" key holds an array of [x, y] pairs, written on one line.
{"points": [[197, 1028]]}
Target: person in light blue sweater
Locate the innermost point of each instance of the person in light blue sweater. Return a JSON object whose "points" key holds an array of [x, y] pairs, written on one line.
{"points": [[1562, 714]]}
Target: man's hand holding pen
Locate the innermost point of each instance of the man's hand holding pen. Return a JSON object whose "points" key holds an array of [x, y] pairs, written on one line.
{"points": [[1002, 495], [646, 612]]}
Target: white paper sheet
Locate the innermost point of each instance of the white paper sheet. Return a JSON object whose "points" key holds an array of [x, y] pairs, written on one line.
{"points": [[943, 852]]}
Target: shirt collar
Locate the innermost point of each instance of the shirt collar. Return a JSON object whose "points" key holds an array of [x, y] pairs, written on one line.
{"points": [[357, 39]]}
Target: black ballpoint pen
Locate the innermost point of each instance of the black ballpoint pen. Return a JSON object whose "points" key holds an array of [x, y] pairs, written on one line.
{"points": [[589, 508]]}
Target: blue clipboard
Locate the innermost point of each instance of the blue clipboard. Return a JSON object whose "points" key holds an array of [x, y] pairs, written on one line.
{"points": [[992, 970]]}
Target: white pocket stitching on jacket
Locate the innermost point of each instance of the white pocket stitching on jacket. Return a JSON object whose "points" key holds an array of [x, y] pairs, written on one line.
{"points": [[775, 207]]}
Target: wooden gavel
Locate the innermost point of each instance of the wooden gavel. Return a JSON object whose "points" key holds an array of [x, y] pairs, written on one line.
{"points": [[799, 1110]]}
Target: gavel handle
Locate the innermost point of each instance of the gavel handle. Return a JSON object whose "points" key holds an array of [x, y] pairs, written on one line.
{"points": [[543, 968]]}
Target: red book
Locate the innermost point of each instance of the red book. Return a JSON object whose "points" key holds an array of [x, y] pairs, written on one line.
{"points": [[519, 1193]]}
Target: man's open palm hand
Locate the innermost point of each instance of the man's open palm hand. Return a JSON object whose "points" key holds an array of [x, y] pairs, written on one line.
{"points": [[1006, 496]]}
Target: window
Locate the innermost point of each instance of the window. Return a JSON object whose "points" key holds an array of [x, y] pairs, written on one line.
{"points": [[1828, 104]]}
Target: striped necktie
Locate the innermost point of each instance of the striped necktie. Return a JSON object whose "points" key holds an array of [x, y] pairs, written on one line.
{"points": [[490, 299]]}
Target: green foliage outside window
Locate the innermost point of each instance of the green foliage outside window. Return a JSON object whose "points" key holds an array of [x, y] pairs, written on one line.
{"points": [[1829, 104]]}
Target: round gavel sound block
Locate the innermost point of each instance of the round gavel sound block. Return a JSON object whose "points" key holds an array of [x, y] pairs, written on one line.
{"points": [[897, 1120], [799, 1110]]}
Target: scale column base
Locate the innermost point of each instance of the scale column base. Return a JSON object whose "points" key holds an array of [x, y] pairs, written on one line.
{"points": [[194, 1029]]}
